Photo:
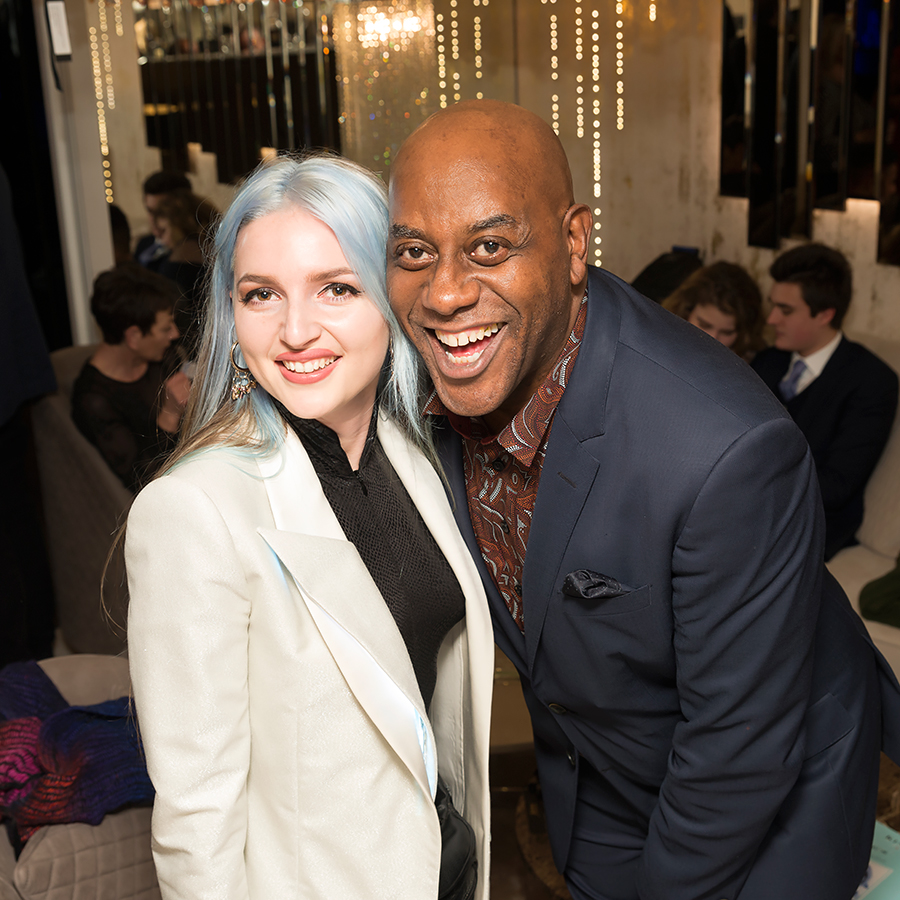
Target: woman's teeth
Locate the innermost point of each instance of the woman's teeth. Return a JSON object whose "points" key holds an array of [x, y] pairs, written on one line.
{"points": [[308, 367]]}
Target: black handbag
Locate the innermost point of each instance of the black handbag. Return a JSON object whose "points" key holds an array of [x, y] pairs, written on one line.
{"points": [[459, 862]]}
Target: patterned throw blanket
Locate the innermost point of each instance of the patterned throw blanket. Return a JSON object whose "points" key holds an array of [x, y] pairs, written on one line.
{"points": [[61, 763]]}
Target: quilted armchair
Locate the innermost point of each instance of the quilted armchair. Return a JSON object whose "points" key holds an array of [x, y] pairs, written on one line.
{"points": [[109, 861]]}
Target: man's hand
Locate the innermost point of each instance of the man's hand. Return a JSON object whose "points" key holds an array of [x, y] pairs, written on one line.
{"points": [[176, 390]]}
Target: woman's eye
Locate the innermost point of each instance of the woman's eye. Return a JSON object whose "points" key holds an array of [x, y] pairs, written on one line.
{"points": [[339, 289], [261, 295]]}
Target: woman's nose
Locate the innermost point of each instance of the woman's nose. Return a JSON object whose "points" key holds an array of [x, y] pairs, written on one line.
{"points": [[301, 323]]}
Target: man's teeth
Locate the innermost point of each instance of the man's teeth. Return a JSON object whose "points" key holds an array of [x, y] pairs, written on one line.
{"points": [[461, 338], [307, 367]]}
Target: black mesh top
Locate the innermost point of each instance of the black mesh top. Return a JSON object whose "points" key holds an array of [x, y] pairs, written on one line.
{"points": [[119, 418], [380, 519]]}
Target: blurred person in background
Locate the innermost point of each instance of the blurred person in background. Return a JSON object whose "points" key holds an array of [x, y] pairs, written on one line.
{"points": [[130, 395], [725, 302]]}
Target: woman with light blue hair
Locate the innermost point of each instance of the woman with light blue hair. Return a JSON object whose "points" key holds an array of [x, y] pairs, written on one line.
{"points": [[309, 643]]}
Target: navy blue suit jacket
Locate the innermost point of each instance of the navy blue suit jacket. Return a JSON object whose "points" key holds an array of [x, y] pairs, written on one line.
{"points": [[728, 686], [846, 415]]}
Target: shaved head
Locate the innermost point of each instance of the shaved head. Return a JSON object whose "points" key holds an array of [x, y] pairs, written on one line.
{"points": [[508, 136], [487, 260]]}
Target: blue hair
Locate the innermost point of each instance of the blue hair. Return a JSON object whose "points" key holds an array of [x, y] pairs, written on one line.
{"points": [[352, 202]]}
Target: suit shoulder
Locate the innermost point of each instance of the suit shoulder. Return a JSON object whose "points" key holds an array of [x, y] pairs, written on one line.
{"points": [[862, 360], [216, 473], [659, 355]]}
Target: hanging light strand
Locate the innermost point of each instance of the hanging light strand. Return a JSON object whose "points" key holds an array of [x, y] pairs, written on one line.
{"points": [[579, 79], [595, 88], [620, 69]]}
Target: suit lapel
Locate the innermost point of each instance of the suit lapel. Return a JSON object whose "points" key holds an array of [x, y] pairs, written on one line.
{"points": [[566, 479], [346, 605], [569, 469]]}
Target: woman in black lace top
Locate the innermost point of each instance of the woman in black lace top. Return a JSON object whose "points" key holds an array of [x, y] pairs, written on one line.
{"points": [[310, 647]]}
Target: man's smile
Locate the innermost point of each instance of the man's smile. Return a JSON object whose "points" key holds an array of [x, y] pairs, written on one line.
{"points": [[465, 348]]}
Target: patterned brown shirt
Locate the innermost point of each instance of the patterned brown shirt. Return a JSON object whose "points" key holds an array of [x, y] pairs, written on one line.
{"points": [[502, 473]]}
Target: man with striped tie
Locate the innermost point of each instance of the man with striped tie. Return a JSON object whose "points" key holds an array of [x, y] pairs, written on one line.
{"points": [[842, 396]]}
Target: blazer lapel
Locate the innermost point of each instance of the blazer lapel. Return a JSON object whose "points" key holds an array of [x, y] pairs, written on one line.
{"points": [[567, 476], [346, 605], [569, 468]]}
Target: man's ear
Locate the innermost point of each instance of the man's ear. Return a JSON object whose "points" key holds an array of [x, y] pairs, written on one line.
{"points": [[132, 336], [577, 224], [825, 316]]}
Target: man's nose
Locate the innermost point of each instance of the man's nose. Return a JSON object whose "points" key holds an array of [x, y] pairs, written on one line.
{"points": [[452, 288], [772, 318]]}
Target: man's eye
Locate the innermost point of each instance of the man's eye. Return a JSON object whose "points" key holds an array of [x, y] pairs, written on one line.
{"points": [[488, 251], [412, 256], [413, 252]]}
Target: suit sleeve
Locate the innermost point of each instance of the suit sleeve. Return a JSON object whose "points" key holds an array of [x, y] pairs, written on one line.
{"points": [[188, 625], [746, 582], [862, 431]]}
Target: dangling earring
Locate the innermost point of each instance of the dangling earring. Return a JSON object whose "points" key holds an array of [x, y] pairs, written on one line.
{"points": [[241, 380]]}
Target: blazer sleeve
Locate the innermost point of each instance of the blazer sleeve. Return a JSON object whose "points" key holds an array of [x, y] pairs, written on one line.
{"points": [[861, 432], [188, 626], [746, 584]]}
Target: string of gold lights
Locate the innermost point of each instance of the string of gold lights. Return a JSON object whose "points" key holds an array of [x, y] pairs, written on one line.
{"points": [[97, 72], [620, 68], [579, 79], [454, 45], [476, 44], [651, 13], [595, 87], [441, 59]]}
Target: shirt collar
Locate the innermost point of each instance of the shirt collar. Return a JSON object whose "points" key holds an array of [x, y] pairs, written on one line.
{"points": [[523, 435], [817, 361]]}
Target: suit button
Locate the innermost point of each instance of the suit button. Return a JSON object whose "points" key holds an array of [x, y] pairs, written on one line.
{"points": [[571, 757], [557, 708]]}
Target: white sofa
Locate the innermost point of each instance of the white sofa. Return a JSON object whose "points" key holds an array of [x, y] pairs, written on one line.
{"points": [[879, 535]]}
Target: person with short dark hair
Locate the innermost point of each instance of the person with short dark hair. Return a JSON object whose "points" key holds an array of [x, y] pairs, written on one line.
{"points": [[149, 251], [840, 394], [725, 302], [127, 401]]}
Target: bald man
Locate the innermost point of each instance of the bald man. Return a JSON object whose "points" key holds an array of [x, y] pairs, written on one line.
{"points": [[707, 708]]}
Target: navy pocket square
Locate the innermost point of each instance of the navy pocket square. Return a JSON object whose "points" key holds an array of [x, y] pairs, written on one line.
{"points": [[588, 585]]}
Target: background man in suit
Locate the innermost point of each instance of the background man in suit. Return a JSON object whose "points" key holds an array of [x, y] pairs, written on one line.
{"points": [[707, 708], [842, 396]]}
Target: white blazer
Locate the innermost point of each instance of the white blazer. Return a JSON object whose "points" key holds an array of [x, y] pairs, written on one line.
{"points": [[283, 726]]}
